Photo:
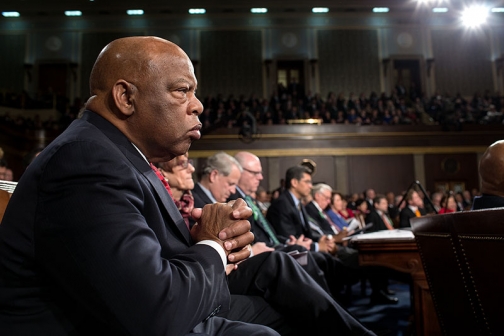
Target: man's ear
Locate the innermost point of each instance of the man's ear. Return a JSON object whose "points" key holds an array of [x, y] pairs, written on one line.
{"points": [[213, 175], [122, 95], [294, 183]]}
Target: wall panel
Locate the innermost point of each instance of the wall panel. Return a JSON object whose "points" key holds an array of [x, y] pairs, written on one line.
{"points": [[231, 62], [383, 173], [452, 168], [12, 58], [348, 61], [462, 61]]}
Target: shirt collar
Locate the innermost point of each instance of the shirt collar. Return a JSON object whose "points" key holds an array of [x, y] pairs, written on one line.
{"points": [[317, 206], [240, 192], [140, 152], [208, 193], [296, 201]]}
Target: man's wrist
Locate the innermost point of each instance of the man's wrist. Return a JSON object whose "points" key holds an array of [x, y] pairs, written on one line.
{"points": [[217, 247]]}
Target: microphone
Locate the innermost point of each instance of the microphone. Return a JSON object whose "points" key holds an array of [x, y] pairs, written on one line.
{"points": [[424, 192]]}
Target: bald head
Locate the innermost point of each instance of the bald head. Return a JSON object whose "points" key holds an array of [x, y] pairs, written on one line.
{"points": [[146, 87], [252, 172], [491, 169], [129, 58]]}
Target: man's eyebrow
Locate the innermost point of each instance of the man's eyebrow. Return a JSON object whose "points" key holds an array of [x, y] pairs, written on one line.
{"points": [[183, 81]]}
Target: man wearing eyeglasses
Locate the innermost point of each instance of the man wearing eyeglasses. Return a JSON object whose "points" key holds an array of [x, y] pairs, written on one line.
{"points": [[274, 275]]}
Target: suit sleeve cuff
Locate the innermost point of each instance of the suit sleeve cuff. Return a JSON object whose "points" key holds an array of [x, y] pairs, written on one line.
{"points": [[217, 248]]}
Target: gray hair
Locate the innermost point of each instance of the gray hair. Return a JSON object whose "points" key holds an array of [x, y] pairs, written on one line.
{"points": [[222, 163], [321, 187]]}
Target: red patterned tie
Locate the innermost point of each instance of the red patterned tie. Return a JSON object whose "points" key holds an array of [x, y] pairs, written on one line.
{"points": [[161, 177]]}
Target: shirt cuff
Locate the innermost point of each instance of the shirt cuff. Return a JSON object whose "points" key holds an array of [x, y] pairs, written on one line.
{"points": [[217, 248], [316, 247]]}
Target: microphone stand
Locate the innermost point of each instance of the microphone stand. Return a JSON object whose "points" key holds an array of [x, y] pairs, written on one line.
{"points": [[424, 192]]}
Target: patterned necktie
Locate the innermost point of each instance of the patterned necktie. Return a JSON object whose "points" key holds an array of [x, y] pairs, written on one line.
{"points": [[162, 179], [258, 216], [303, 222], [334, 227], [387, 222]]}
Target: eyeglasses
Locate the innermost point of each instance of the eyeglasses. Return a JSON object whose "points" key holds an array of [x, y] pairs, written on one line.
{"points": [[186, 164], [255, 173]]}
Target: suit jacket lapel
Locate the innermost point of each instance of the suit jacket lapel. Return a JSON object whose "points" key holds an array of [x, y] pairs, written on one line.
{"points": [[143, 167], [197, 190]]}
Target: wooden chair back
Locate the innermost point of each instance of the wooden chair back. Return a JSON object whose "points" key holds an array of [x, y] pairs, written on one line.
{"points": [[463, 257]]}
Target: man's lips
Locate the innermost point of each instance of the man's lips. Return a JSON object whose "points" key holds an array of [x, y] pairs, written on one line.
{"points": [[195, 131]]}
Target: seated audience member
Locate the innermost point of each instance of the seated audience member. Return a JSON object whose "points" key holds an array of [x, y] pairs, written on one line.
{"points": [[352, 201], [253, 309], [289, 217], [491, 171], [345, 211], [436, 201], [9, 175], [264, 233], [369, 195], [178, 174], [336, 209], [288, 214], [459, 201], [448, 204], [467, 199], [321, 197], [113, 255], [361, 211], [414, 208], [379, 216], [3, 169], [263, 199], [274, 275], [392, 208]]}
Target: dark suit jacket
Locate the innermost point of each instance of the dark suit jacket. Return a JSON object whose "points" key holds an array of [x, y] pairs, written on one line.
{"points": [[406, 214], [284, 216], [486, 201], [378, 224], [313, 212], [91, 244], [200, 198], [260, 233]]}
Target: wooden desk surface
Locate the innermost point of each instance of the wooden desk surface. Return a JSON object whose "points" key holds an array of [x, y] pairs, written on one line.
{"points": [[401, 254]]}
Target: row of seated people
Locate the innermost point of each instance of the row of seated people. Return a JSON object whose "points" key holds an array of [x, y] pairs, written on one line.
{"points": [[377, 110], [292, 224], [393, 109], [287, 229]]}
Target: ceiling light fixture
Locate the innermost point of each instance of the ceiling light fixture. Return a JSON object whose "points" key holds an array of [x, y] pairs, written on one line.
{"points": [[135, 12], [474, 16], [380, 10], [259, 10], [73, 13], [197, 11], [440, 10], [320, 10], [10, 14]]}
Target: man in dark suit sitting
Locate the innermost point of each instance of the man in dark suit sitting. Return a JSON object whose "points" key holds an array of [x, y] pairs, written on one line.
{"points": [[91, 242], [276, 275], [288, 215], [491, 171], [379, 216], [414, 208]]}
